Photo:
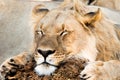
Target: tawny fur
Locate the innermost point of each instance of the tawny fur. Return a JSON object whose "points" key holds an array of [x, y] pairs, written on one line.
{"points": [[69, 31], [109, 70]]}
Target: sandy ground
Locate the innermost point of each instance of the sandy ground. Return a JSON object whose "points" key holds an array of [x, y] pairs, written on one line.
{"points": [[15, 31]]}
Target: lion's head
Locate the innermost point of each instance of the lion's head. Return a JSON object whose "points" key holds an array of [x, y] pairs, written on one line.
{"points": [[60, 34]]}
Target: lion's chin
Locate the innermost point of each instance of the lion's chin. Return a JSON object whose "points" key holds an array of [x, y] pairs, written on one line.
{"points": [[44, 69]]}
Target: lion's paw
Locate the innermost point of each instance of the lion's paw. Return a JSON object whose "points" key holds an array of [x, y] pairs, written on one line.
{"points": [[87, 76], [12, 65], [9, 68], [91, 71]]}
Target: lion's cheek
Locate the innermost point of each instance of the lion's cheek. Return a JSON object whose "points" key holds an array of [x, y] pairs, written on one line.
{"points": [[55, 60], [38, 58]]}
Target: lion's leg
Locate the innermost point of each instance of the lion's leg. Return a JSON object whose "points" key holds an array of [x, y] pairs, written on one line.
{"points": [[10, 66], [98, 70]]}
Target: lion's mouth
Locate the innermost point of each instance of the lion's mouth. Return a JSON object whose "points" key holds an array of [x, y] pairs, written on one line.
{"points": [[46, 64]]}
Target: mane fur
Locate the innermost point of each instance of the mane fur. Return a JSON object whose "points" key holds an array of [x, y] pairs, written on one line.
{"points": [[107, 35]]}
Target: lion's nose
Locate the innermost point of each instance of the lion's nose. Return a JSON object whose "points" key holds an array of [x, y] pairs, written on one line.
{"points": [[45, 53]]}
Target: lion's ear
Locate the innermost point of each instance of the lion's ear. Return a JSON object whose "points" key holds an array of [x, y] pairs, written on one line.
{"points": [[39, 11], [92, 17]]}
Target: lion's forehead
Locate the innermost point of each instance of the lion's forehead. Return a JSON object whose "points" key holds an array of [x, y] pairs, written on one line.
{"points": [[59, 24]]}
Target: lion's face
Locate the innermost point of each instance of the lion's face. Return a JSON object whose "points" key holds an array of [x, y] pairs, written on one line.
{"points": [[59, 36]]}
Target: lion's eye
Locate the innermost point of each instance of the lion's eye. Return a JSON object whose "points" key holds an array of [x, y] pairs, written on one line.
{"points": [[63, 33], [40, 32]]}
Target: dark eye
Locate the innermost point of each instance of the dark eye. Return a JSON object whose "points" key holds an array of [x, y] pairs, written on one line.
{"points": [[63, 33], [40, 32]]}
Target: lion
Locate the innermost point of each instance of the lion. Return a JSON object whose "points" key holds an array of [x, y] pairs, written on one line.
{"points": [[65, 32]]}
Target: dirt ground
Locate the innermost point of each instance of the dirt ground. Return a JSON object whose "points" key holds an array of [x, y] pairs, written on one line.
{"points": [[15, 30]]}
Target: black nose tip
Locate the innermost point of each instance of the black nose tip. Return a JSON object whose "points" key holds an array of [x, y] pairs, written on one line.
{"points": [[46, 53]]}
